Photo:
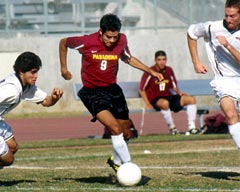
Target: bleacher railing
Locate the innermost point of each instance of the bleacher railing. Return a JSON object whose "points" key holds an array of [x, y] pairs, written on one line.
{"points": [[79, 16]]}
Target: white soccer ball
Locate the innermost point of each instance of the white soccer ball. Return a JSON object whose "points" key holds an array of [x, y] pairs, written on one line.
{"points": [[129, 174]]}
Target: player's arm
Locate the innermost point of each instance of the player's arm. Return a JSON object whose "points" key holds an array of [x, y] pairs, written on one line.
{"points": [[235, 53], [63, 59], [195, 32], [53, 98], [143, 94], [198, 65], [134, 62]]}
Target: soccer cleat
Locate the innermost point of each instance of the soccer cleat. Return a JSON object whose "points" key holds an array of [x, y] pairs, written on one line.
{"points": [[193, 131], [111, 163], [174, 131]]}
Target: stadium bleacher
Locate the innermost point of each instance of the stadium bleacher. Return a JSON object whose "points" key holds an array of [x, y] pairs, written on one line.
{"points": [[58, 16]]}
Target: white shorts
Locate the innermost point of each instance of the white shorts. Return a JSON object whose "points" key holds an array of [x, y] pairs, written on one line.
{"points": [[5, 131], [226, 86]]}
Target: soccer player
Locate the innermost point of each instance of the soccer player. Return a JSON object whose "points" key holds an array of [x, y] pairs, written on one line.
{"points": [[100, 94], [14, 88], [165, 96], [222, 40]]}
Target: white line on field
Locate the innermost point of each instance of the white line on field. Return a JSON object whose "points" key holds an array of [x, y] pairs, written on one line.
{"points": [[212, 168], [128, 189], [105, 154]]}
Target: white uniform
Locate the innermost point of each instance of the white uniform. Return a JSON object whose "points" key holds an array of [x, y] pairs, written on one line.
{"points": [[11, 94], [224, 65]]}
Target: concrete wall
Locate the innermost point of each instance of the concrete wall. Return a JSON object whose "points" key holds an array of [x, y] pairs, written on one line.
{"points": [[143, 46]]}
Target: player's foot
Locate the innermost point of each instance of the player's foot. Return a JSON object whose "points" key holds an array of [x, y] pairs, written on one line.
{"points": [[174, 131], [111, 163], [193, 131]]}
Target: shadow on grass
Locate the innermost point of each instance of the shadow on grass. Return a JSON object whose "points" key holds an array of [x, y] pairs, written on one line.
{"points": [[104, 180], [16, 182], [221, 175], [217, 175]]}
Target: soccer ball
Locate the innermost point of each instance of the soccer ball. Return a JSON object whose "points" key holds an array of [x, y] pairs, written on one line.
{"points": [[129, 174]]}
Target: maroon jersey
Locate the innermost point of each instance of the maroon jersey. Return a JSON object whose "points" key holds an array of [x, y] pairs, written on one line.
{"points": [[164, 88], [99, 63]]}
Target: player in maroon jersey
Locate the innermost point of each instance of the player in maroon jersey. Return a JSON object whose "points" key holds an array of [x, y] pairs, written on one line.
{"points": [[160, 96], [100, 94]]}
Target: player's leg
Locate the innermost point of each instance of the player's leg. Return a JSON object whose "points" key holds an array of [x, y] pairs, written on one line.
{"points": [[190, 103], [163, 105], [228, 107], [6, 153], [8, 144], [119, 145]]}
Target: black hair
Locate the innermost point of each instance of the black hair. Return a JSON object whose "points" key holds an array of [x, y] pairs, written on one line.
{"points": [[160, 53], [110, 22], [26, 62], [233, 3]]}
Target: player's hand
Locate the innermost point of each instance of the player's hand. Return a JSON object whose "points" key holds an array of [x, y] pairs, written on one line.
{"points": [[148, 106], [200, 68], [222, 40], [56, 93], [66, 75], [159, 76], [182, 93]]}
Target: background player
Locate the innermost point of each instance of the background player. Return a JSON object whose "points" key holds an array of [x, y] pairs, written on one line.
{"points": [[165, 96], [15, 87], [100, 94]]}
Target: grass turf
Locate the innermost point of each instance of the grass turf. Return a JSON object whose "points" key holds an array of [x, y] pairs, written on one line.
{"points": [[176, 163]]}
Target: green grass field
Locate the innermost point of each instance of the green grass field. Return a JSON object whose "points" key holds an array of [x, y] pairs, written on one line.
{"points": [[176, 163]]}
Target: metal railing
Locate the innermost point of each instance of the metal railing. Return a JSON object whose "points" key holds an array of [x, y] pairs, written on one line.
{"points": [[70, 16]]}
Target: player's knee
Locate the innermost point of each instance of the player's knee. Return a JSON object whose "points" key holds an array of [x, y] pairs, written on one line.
{"points": [[163, 104], [13, 146], [232, 117], [7, 160], [192, 100]]}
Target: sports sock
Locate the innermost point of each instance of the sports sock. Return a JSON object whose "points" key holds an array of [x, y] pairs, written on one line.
{"points": [[191, 114], [234, 130], [116, 158], [167, 115], [120, 148], [3, 147]]}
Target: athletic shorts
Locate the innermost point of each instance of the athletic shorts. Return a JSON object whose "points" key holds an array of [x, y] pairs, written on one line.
{"points": [[174, 103], [5, 131], [226, 86], [105, 98]]}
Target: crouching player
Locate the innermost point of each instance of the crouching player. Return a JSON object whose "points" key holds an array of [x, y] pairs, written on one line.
{"points": [[14, 88]]}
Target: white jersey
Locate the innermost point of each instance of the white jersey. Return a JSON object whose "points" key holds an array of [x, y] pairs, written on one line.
{"points": [[11, 94], [222, 62]]}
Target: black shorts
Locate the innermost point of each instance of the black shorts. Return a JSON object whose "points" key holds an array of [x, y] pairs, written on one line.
{"points": [[174, 103], [105, 98]]}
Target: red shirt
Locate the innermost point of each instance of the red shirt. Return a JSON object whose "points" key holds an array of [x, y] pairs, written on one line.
{"points": [[99, 63], [154, 90]]}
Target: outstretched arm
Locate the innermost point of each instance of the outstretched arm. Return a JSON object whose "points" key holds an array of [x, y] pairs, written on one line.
{"points": [[53, 98], [198, 65], [134, 62], [63, 59]]}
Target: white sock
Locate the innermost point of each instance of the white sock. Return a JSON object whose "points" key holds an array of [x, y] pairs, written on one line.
{"points": [[3, 147], [116, 158], [234, 130], [191, 114], [120, 148], [167, 115]]}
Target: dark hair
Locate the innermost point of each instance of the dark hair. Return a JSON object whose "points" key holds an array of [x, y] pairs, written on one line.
{"points": [[160, 53], [26, 62], [110, 22], [233, 3]]}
